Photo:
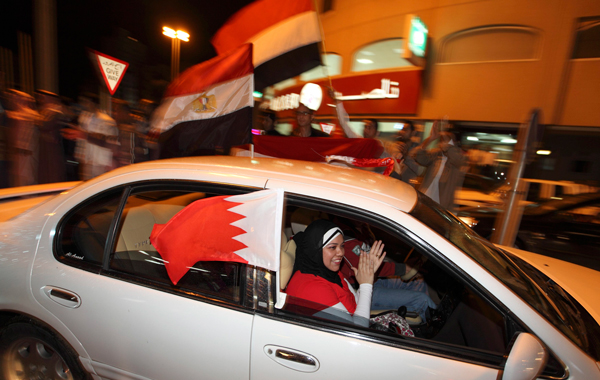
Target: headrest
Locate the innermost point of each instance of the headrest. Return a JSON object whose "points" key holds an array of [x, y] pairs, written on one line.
{"points": [[302, 217]]}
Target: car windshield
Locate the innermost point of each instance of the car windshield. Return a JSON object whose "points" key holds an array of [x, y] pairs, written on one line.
{"points": [[547, 297]]}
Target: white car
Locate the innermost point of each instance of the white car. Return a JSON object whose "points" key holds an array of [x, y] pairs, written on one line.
{"points": [[84, 294], [536, 190]]}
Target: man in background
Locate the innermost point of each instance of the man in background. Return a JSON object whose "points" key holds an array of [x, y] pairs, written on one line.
{"points": [[304, 119]]}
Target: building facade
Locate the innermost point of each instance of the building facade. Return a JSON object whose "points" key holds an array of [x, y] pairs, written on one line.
{"points": [[488, 64]]}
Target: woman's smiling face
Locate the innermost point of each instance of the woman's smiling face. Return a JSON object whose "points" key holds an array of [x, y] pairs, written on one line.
{"points": [[333, 253]]}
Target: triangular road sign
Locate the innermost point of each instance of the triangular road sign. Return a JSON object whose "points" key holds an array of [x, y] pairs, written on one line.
{"points": [[112, 70]]}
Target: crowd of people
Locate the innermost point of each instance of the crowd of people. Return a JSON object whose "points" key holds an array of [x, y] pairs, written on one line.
{"points": [[45, 139], [436, 166]]}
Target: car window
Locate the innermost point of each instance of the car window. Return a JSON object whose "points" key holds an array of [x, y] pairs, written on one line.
{"points": [[83, 232], [545, 299], [460, 316], [134, 256]]}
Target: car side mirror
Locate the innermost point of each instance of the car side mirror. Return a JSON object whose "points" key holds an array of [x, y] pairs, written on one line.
{"points": [[526, 360]]}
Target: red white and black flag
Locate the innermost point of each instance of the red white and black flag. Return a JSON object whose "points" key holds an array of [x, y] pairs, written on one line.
{"points": [[208, 108], [285, 35]]}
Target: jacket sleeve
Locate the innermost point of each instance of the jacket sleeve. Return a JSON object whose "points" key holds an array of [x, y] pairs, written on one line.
{"points": [[456, 157], [423, 156]]}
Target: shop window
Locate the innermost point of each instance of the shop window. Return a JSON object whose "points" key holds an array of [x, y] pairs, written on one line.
{"points": [[380, 55], [587, 39], [491, 44], [332, 67]]}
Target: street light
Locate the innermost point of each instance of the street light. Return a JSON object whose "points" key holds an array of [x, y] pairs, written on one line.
{"points": [[175, 37]]}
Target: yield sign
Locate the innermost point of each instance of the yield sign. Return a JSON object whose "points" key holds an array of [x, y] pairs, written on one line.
{"points": [[112, 70]]}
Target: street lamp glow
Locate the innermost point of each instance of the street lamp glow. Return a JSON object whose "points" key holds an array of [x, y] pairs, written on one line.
{"points": [[183, 35], [180, 34], [175, 36], [169, 32]]}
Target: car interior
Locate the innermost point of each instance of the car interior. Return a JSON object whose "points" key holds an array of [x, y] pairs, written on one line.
{"points": [[458, 307]]}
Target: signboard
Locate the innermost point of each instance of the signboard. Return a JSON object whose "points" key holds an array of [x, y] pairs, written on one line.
{"points": [[381, 93], [416, 33], [112, 70]]}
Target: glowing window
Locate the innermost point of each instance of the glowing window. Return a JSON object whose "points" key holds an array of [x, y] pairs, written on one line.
{"points": [[380, 55]]}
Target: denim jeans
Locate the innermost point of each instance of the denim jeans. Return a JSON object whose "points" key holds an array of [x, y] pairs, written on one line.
{"points": [[391, 293]]}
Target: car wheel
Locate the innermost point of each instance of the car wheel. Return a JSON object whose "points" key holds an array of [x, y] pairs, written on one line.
{"points": [[28, 352]]}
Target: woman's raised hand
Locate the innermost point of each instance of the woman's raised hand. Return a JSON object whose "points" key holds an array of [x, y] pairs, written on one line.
{"points": [[377, 254], [368, 263]]}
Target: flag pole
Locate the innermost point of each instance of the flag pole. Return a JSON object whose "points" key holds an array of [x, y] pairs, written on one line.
{"points": [[323, 51], [322, 44]]}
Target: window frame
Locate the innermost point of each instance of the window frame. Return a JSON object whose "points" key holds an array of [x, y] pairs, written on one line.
{"points": [[110, 244]]}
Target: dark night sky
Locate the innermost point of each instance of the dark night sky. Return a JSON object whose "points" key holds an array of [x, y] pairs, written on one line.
{"points": [[85, 24]]}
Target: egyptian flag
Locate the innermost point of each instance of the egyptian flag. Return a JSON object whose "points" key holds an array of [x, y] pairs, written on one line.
{"points": [[241, 228], [285, 35], [208, 108]]}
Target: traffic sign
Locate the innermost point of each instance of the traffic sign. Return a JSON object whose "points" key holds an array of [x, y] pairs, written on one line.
{"points": [[112, 70]]}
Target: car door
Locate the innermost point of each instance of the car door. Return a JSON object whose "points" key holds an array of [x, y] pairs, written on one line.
{"points": [[282, 348], [119, 302], [296, 344]]}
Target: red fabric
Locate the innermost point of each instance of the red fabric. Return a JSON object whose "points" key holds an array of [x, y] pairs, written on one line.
{"points": [[253, 19], [202, 231], [223, 68], [317, 289], [375, 162], [315, 149], [386, 269]]}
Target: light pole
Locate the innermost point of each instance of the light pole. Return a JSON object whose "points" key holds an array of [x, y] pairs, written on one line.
{"points": [[175, 37]]}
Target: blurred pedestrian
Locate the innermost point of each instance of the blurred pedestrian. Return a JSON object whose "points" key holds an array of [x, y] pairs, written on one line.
{"points": [[126, 146], [52, 165], [304, 119], [370, 131], [130, 145], [268, 119], [94, 159], [444, 166], [406, 168], [71, 112], [4, 175], [371, 126], [22, 138]]}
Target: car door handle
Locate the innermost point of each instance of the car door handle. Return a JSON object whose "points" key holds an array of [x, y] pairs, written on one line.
{"points": [[297, 360], [62, 296]]}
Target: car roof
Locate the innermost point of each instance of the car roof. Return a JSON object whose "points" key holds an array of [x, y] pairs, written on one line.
{"points": [[342, 178]]}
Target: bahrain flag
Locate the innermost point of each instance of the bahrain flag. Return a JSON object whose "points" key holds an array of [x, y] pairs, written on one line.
{"points": [[241, 228]]}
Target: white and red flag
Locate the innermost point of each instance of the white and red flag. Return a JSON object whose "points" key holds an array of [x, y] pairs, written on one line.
{"points": [[388, 162], [241, 228], [285, 35], [208, 108]]}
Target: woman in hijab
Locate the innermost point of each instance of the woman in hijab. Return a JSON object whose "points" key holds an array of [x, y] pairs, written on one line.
{"points": [[319, 254]]}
